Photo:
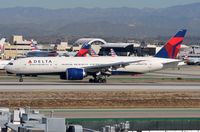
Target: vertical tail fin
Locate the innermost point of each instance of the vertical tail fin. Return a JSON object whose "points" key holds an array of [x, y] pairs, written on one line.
{"points": [[113, 54], [84, 50], [172, 47], [93, 53], [33, 46], [55, 48], [2, 42]]}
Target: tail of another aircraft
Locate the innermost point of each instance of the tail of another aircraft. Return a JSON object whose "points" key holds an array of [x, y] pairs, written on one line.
{"points": [[93, 53], [172, 47], [33, 46], [55, 48], [84, 50], [2, 42], [113, 54]]}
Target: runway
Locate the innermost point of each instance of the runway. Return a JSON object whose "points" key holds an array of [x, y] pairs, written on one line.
{"points": [[85, 95], [29, 86]]}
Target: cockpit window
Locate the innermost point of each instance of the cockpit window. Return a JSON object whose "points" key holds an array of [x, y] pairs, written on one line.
{"points": [[10, 63]]}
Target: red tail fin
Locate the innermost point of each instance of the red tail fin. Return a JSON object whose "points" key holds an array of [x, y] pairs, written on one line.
{"points": [[172, 47]]}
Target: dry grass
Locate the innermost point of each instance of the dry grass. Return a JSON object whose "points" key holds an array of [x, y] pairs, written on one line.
{"points": [[102, 99]]}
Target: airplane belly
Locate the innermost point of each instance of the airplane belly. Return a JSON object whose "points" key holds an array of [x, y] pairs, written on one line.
{"points": [[131, 70], [141, 68], [40, 69], [155, 67]]}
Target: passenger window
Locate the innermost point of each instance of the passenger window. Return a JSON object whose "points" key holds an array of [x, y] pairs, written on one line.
{"points": [[10, 63]]}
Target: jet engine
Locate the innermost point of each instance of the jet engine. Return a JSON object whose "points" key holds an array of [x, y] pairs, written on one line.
{"points": [[73, 74]]}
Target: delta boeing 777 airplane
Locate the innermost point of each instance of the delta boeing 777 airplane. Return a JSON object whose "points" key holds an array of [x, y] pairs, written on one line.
{"points": [[77, 68]]}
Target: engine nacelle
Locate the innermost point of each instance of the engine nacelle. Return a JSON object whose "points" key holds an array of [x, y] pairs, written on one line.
{"points": [[73, 74]]}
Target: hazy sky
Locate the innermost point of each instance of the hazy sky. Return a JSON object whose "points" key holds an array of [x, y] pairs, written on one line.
{"points": [[55, 4]]}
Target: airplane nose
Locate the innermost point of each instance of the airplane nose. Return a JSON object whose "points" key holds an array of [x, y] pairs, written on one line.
{"points": [[8, 69]]}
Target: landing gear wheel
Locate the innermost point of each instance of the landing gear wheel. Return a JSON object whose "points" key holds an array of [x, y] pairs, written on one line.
{"points": [[91, 80], [100, 80], [103, 80], [21, 79], [97, 80]]}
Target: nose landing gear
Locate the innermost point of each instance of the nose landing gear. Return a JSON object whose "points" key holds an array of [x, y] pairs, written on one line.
{"points": [[20, 78]]}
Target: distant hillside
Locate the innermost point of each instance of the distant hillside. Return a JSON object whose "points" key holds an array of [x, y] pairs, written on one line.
{"points": [[112, 22]]}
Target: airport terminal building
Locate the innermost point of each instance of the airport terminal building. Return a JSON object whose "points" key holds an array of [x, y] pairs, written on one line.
{"points": [[18, 47]]}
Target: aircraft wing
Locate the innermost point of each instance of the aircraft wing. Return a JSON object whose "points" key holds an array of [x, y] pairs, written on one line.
{"points": [[172, 64], [108, 67]]}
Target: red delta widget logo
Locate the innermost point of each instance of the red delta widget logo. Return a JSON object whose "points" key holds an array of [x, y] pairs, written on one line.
{"points": [[39, 61]]}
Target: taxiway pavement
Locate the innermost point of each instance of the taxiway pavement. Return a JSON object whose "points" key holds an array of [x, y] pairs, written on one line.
{"points": [[124, 113], [32, 86]]}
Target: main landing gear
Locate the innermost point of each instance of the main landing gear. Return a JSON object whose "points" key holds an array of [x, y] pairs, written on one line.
{"points": [[97, 80], [20, 78]]}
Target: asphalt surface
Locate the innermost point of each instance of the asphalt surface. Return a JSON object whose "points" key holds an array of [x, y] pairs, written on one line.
{"points": [[123, 113], [29, 86], [184, 72], [53, 85]]}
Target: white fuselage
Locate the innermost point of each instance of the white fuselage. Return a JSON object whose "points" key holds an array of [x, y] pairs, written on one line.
{"points": [[3, 63], [51, 65]]}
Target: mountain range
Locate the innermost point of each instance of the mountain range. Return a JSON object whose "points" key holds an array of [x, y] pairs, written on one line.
{"points": [[103, 22]]}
